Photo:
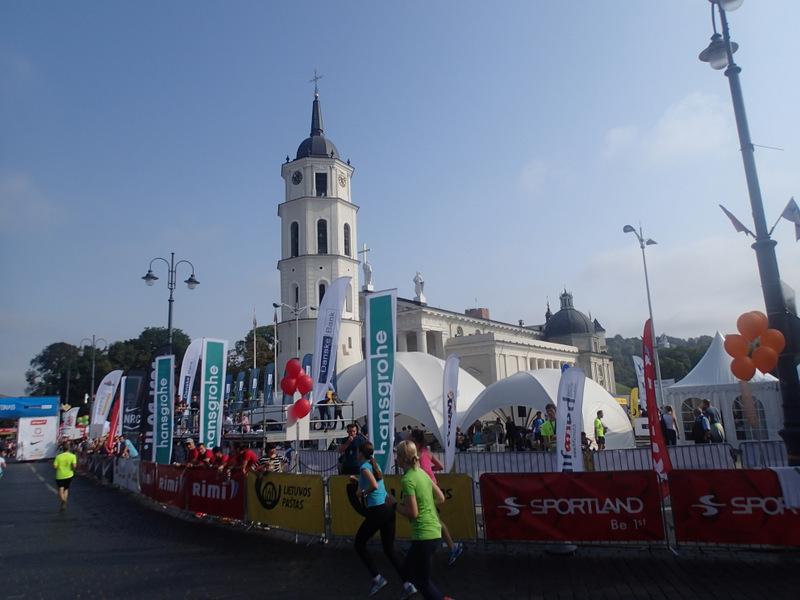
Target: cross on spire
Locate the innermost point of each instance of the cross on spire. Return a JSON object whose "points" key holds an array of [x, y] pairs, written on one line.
{"points": [[314, 81]]}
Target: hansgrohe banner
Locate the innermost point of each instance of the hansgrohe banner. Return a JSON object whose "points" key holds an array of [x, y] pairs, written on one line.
{"points": [[380, 346], [162, 409], [212, 391]]}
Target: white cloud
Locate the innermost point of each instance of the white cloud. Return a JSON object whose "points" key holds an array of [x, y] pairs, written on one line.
{"points": [[22, 205], [694, 129]]}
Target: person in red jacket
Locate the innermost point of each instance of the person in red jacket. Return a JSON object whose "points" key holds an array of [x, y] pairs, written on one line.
{"points": [[241, 459]]}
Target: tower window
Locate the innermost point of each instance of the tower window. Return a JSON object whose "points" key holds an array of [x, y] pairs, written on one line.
{"points": [[347, 240], [294, 234], [321, 183], [321, 292], [322, 236], [296, 295]]}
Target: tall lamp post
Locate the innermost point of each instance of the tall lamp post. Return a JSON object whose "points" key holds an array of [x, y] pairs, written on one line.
{"points": [[150, 279], [644, 242], [94, 341], [296, 312], [719, 55]]}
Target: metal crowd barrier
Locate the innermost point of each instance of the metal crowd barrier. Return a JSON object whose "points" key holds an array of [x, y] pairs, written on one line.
{"points": [[762, 455]]}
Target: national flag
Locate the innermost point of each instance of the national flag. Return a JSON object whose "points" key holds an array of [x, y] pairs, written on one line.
{"points": [[255, 323], [792, 213], [736, 222]]}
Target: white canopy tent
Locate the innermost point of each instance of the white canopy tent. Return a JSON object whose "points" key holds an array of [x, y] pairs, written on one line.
{"points": [[536, 388], [713, 380], [418, 385]]}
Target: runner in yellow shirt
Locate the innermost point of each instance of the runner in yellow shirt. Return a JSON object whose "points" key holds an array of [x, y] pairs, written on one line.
{"points": [[64, 465]]}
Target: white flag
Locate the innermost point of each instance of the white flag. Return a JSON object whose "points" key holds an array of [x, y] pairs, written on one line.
{"points": [[792, 213], [569, 420], [102, 402], [189, 370], [450, 399]]}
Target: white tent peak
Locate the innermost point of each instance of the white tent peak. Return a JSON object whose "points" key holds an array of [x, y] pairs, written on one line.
{"points": [[715, 368]]}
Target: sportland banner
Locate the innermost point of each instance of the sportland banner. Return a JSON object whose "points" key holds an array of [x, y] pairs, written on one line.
{"points": [[449, 403], [380, 316], [102, 403], [661, 462], [569, 420], [608, 506], [162, 423], [732, 506], [189, 369], [329, 319], [212, 391]]}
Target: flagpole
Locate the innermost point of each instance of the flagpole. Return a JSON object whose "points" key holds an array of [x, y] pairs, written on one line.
{"points": [[255, 325]]}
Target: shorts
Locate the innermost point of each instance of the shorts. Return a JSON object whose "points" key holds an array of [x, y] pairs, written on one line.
{"points": [[64, 483], [601, 440]]}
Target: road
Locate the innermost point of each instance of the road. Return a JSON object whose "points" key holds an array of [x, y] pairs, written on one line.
{"points": [[110, 544]]}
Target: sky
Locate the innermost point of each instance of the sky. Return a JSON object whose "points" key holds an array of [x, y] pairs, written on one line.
{"points": [[499, 149]]}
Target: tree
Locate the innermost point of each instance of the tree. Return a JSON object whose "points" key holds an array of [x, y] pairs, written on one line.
{"points": [[240, 357], [64, 370], [135, 353]]}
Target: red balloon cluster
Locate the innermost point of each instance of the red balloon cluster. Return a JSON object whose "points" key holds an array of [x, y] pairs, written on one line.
{"points": [[296, 380], [753, 326]]}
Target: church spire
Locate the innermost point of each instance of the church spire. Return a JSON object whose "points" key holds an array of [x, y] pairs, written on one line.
{"points": [[316, 118]]}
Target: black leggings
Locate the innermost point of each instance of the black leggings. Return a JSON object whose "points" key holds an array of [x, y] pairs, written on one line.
{"points": [[380, 517], [418, 567]]}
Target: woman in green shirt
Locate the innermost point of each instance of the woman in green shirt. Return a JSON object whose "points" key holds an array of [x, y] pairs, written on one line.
{"points": [[420, 497]]}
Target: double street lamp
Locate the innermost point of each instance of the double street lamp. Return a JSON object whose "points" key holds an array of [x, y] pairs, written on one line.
{"points": [[296, 312], [150, 279], [719, 55]]}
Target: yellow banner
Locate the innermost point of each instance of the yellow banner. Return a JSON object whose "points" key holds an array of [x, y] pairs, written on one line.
{"points": [[457, 512], [295, 502], [634, 403]]}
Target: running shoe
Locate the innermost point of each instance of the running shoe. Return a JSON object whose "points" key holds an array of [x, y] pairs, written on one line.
{"points": [[63, 505], [454, 553], [408, 590], [377, 585]]}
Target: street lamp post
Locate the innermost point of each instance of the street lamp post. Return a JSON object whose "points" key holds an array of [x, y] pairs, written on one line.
{"points": [[643, 242], [94, 340], [296, 312], [150, 279], [719, 55]]}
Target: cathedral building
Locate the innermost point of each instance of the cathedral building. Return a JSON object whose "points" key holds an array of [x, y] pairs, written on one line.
{"points": [[318, 245]]}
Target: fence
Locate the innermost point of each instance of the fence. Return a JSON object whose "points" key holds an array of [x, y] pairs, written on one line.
{"points": [[761, 455]]}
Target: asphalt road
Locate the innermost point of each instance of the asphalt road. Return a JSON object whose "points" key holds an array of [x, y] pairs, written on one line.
{"points": [[111, 544]]}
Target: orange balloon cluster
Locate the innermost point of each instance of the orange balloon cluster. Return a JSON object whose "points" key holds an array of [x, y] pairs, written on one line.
{"points": [[753, 326]]}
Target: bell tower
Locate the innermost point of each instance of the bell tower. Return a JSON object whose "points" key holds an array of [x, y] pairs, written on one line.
{"points": [[318, 245]]}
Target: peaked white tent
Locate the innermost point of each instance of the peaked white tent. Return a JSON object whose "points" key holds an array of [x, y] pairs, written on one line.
{"points": [[536, 388], [418, 385], [712, 379]]}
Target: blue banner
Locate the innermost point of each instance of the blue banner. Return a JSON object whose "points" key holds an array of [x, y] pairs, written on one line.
{"points": [[15, 408]]}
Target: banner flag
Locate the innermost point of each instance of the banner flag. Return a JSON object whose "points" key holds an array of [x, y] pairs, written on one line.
{"points": [[638, 365], [102, 402], [380, 319], [269, 385], [661, 462], [212, 397], [569, 420], [450, 403], [238, 403], [307, 363], [254, 386], [147, 403], [163, 408], [115, 424], [189, 370], [132, 414], [329, 319], [634, 407], [69, 426]]}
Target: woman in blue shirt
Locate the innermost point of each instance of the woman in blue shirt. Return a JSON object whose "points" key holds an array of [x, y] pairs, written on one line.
{"points": [[379, 517]]}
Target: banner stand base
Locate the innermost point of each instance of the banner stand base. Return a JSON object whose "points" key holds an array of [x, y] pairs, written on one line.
{"points": [[560, 548]]}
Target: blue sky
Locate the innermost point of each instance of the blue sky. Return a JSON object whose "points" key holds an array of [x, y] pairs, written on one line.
{"points": [[499, 149]]}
